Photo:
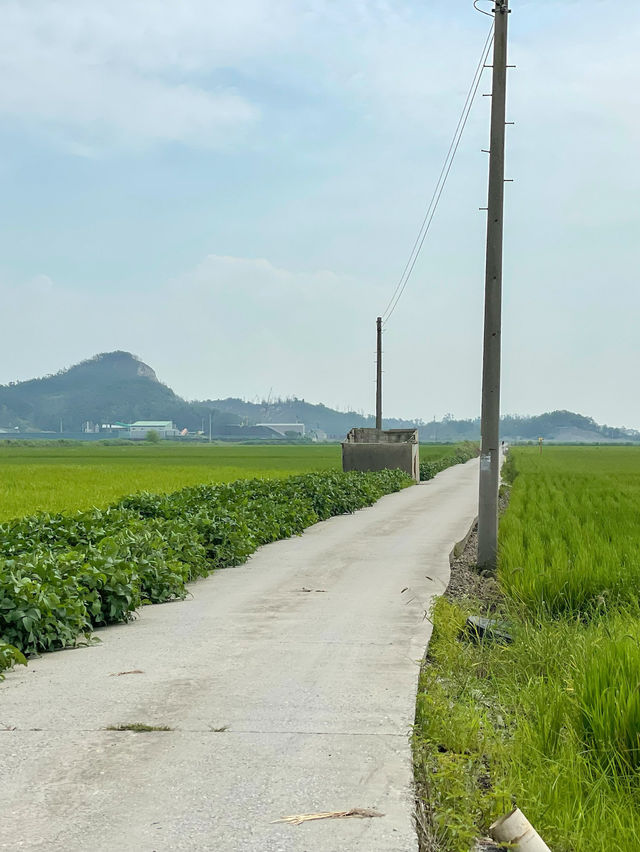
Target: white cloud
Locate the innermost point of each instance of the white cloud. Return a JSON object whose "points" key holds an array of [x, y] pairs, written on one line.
{"points": [[230, 326], [130, 73]]}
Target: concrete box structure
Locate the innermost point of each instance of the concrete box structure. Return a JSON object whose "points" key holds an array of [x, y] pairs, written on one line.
{"points": [[373, 449]]}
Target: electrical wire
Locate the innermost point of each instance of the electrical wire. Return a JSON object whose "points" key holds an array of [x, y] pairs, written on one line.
{"points": [[440, 184], [478, 9]]}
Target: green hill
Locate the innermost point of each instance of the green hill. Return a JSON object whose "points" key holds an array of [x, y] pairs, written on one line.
{"points": [[111, 387], [119, 387]]}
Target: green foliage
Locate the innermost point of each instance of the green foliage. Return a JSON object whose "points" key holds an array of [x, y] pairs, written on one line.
{"points": [[152, 437], [509, 471], [458, 454], [454, 732], [62, 575], [9, 657], [570, 542], [550, 722], [607, 689], [62, 478], [538, 723], [42, 604]]}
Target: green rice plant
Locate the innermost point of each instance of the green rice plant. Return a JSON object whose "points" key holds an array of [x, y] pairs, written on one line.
{"points": [[63, 478], [554, 717], [570, 542], [50, 477], [498, 725], [607, 694], [9, 657]]}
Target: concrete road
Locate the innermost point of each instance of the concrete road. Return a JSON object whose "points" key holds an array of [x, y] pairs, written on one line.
{"points": [[289, 684]]}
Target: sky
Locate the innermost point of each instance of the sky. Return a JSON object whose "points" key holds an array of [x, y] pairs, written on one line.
{"points": [[231, 192]]}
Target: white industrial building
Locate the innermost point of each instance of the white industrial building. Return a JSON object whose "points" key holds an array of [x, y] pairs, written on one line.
{"points": [[283, 428], [139, 430]]}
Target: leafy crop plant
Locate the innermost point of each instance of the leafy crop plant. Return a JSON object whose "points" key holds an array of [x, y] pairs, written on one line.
{"points": [[63, 575]]}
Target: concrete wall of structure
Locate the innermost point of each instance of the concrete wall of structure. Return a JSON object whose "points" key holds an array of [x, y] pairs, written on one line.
{"points": [[381, 456], [365, 435]]}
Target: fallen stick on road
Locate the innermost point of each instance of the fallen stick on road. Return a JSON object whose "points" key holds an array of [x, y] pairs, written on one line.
{"points": [[296, 819]]}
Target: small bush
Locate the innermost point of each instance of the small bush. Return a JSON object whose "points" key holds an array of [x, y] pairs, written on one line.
{"points": [[459, 454]]}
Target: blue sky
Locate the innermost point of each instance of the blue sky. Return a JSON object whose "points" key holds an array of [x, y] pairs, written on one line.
{"points": [[231, 192]]}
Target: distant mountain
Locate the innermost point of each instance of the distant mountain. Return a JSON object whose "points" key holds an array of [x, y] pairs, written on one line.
{"points": [[561, 426], [565, 427], [336, 424], [111, 387], [119, 387]]}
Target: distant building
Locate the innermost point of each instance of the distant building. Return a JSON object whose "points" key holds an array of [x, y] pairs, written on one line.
{"points": [[113, 427], [283, 428], [139, 430]]}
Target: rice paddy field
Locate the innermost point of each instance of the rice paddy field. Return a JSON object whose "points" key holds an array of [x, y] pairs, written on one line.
{"points": [[550, 722], [61, 478], [79, 476]]}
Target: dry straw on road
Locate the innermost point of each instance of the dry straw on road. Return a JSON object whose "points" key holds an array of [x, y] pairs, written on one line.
{"points": [[361, 813]]}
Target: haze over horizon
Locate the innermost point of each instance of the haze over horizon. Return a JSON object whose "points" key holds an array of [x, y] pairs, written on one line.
{"points": [[272, 398], [232, 194]]}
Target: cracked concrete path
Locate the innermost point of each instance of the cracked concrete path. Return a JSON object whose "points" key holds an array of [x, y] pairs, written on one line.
{"points": [[289, 684]]}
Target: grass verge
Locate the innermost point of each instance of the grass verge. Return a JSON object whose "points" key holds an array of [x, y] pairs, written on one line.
{"points": [[550, 722]]}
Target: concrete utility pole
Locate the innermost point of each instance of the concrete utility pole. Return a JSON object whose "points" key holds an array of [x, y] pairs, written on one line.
{"points": [[379, 374], [490, 420]]}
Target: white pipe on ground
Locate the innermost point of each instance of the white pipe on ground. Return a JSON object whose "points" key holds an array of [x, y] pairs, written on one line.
{"points": [[515, 829]]}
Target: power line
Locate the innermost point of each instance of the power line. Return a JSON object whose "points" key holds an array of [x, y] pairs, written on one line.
{"points": [[440, 184]]}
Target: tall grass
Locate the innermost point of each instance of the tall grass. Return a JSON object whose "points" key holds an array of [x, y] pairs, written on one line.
{"points": [[552, 721], [570, 542]]}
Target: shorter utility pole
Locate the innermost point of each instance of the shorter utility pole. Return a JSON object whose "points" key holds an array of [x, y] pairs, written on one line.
{"points": [[209, 427], [379, 374]]}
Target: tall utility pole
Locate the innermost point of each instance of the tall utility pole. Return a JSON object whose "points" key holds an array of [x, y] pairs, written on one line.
{"points": [[209, 427], [490, 422], [379, 374]]}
